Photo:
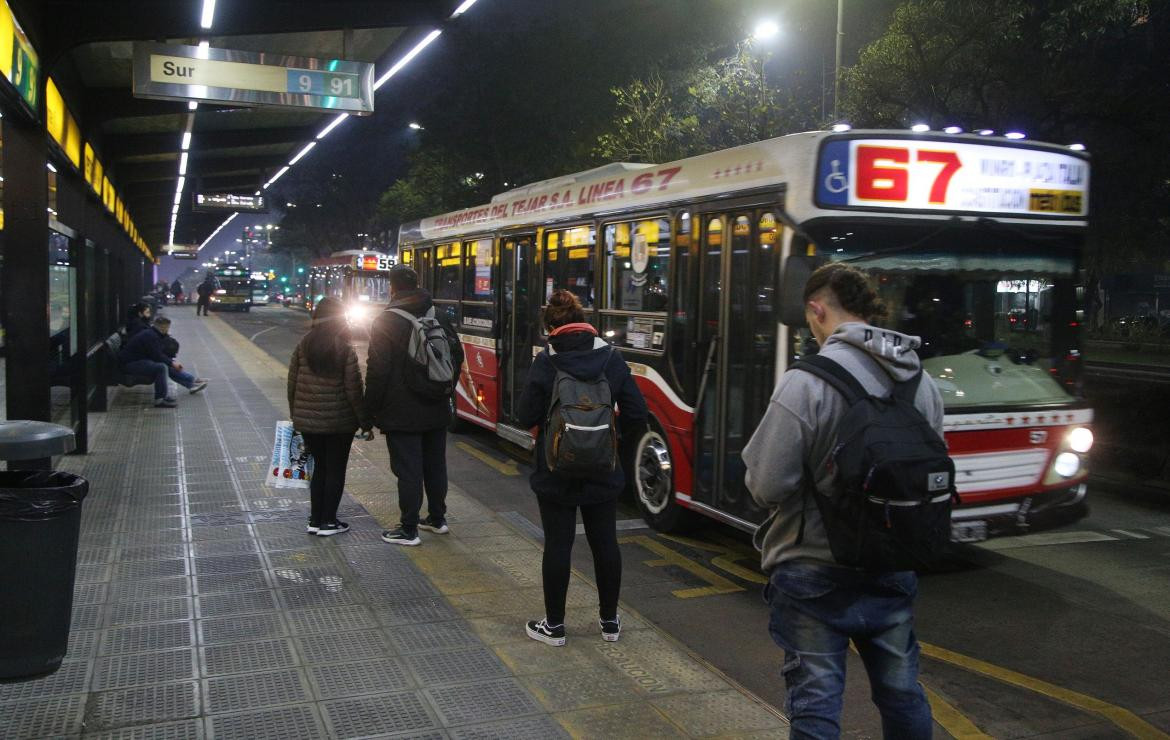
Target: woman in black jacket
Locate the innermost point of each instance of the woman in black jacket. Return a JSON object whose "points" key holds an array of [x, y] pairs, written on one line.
{"points": [[575, 348]]}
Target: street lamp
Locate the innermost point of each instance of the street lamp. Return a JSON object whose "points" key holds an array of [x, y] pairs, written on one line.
{"points": [[415, 126], [766, 30]]}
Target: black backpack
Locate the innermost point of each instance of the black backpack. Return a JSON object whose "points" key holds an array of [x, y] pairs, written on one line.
{"points": [[580, 434], [895, 482]]}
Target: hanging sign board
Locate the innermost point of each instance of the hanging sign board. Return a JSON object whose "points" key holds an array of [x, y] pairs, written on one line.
{"points": [[230, 202], [171, 72], [182, 251]]}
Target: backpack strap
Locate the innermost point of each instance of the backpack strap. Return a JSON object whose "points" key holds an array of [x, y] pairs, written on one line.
{"points": [[907, 390], [404, 314], [836, 376]]}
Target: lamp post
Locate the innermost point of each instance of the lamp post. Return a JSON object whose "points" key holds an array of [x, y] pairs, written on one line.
{"points": [[763, 33], [837, 67]]}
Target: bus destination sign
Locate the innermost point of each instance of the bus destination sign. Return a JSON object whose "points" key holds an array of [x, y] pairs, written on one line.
{"points": [[182, 251], [919, 175], [230, 202], [173, 72]]}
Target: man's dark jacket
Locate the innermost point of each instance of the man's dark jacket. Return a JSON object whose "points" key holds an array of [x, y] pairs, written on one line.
{"points": [[389, 402], [584, 356], [145, 345], [135, 324], [204, 289]]}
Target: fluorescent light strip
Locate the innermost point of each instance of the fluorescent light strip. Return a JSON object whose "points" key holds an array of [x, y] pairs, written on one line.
{"points": [[466, 6], [183, 164], [50, 167], [192, 105], [332, 125], [181, 185], [186, 140], [308, 148], [208, 13], [227, 221], [277, 176], [406, 59]]}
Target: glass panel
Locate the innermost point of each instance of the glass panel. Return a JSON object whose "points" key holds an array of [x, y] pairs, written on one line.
{"points": [[371, 288], [568, 262], [683, 306], [447, 260], [709, 335], [637, 264], [422, 265], [637, 332], [478, 316], [447, 311], [62, 336], [479, 271]]}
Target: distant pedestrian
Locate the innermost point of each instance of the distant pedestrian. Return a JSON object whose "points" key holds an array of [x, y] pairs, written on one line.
{"points": [[415, 423], [144, 355], [204, 291], [575, 351], [325, 403], [818, 605], [177, 291]]}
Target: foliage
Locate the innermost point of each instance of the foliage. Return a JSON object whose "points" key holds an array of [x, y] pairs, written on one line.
{"points": [[434, 183], [327, 216]]}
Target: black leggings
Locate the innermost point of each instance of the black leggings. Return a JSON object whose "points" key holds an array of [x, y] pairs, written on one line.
{"points": [[560, 528], [330, 458]]}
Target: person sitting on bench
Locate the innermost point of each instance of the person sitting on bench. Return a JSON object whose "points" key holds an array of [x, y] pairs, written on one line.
{"points": [[144, 356]]}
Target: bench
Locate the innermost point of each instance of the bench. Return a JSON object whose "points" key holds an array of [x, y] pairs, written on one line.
{"points": [[115, 375]]}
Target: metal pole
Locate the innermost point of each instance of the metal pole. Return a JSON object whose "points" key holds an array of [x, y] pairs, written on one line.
{"points": [[837, 68]]}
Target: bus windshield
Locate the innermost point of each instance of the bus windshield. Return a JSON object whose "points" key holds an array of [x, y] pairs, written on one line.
{"points": [[996, 311], [371, 288]]}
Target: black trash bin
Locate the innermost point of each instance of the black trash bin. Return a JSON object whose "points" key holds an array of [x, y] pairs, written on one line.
{"points": [[40, 522]]}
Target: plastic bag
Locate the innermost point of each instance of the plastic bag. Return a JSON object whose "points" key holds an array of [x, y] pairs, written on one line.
{"points": [[33, 495], [291, 465]]}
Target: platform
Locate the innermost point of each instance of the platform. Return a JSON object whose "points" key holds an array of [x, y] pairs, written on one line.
{"points": [[203, 610]]}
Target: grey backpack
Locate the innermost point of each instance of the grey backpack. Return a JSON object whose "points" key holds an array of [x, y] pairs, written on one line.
{"points": [[581, 431], [431, 370]]}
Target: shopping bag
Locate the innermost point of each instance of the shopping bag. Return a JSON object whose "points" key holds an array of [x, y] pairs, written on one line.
{"points": [[291, 465]]}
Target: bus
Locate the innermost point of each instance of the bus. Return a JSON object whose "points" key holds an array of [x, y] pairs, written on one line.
{"points": [[260, 289], [695, 270], [233, 288], [359, 279]]}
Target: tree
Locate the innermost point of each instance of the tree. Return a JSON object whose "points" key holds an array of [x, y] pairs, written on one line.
{"points": [[434, 184], [324, 215]]}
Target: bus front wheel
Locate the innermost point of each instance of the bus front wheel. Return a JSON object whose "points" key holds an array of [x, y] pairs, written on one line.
{"points": [[652, 477]]}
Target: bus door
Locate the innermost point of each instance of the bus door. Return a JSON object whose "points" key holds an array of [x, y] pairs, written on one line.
{"points": [[516, 322], [422, 262], [739, 266]]}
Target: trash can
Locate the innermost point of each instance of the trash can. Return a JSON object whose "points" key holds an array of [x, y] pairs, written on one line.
{"points": [[40, 522]]}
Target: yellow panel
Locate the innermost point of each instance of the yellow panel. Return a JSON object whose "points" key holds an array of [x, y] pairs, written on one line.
{"points": [[72, 140], [98, 177], [579, 254], [7, 33], [622, 234], [54, 112], [622, 251], [554, 241], [650, 229]]}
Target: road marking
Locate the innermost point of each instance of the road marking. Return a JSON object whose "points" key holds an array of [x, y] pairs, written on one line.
{"points": [[727, 558], [957, 724], [1123, 718], [507, 467], [1134, 535], [1045, 538], [253, 337], [1162, 530], [719, 584]]}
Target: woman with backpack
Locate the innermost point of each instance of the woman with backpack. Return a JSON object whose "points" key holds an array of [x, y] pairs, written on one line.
{"points": [[577, 358], [326, 406]]}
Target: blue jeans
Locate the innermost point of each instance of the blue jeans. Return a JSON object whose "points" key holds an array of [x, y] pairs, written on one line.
{"points": [[159, 372], [816, 610]]}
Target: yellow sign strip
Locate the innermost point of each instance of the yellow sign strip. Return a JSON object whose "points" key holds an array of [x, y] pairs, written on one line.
{"points": [[507, 467], [718, 584], [1123, 718]]}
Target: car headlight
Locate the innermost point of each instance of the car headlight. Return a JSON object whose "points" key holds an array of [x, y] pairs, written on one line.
{"points": [[1067, 464], [1080, 439]]}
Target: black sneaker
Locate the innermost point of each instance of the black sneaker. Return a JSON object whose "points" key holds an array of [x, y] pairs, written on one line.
{"points": [[543, 632], [438, 526], [332, 528], [399, 536], [611, 629]]}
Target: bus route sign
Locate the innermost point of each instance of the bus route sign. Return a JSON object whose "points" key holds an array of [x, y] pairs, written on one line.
{"points": [[230, 202], [174, 72]]}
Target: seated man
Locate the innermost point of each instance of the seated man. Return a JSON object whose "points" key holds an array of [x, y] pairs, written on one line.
{"points": [[144, 355], [137, 319]]}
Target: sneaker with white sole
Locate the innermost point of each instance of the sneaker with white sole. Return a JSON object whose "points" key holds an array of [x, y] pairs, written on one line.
{"points": [[542, 631], [332, 528], [199, 385], [399, 536], [311, 528], [611, 629], [438, 526]]}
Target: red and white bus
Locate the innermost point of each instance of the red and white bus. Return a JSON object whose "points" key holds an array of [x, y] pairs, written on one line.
{"points": [[357, 278], [693, 267]]}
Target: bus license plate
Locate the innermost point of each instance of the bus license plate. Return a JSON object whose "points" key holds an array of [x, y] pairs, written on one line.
{"points": [[971, 531], [231, 299]]}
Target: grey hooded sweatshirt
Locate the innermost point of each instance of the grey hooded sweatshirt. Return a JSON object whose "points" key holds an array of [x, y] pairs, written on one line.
{"points": [[800, 426]]}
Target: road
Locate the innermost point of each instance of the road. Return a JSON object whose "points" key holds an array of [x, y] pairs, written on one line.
{"points": [[1060, 633]]}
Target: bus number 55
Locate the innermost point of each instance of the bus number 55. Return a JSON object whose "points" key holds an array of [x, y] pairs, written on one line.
{"points": [[883, 173]]}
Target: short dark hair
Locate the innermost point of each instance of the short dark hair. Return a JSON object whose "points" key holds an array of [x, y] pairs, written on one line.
{"points": [[850, 289], [403, 277], [161, 321]]}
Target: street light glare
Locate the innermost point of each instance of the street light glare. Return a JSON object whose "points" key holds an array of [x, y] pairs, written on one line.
{"points": [[765, 30], [414, 126]]}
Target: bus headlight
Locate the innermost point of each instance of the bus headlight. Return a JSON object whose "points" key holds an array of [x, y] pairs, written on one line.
{"points": [[356, 314], [1080, 439], [1067, 464], [221, 291]]}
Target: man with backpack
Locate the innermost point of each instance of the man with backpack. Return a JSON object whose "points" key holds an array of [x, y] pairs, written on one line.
{"points": [[413, 363], [850, 459]]}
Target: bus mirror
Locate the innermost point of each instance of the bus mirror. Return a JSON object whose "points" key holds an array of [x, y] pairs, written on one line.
{"points": [[797, 269]]}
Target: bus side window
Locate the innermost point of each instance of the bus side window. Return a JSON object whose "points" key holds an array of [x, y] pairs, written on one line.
{"points": [[568, 263], [682, 307], [447, 278]]}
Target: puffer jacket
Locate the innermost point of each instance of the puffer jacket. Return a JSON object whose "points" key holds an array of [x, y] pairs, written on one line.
{"points": [[323, 404]]}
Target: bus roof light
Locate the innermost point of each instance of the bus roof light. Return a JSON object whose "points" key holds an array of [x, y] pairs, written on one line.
{"points": [[952, 130], [920, 128], [1015, 135], [841, 127], [1077, 147], [985, 132]]}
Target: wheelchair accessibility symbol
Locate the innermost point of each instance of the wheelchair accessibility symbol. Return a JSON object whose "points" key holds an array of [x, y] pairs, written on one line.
{"points": [[835, 181]]}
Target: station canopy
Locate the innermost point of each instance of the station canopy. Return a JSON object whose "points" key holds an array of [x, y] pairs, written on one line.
{"points": [[87, 47]]}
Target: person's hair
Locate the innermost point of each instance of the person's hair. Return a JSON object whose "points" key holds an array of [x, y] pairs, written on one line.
{"points": [[849, 288], [327, 343], [403, 277], [161, 321], [136, 309], [563, 308]]}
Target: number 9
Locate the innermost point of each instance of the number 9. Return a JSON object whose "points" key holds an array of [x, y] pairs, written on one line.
{"points": [[305, 83], [335, 85]]}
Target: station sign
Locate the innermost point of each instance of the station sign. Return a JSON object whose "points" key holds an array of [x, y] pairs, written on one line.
{"points": [[19, 63], [174, 72], [230, 202], [181, 251], [939, 175]]}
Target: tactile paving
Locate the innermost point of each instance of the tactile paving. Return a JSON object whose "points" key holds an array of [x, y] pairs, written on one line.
{"points": [[330, 619], [708, 713], [385, 713], [236, 692], [423, 638], [299, 722], [190, 729], [580, 688], [243, 602], [476, 702], [158, 610], [353, 679], [343, 646], [242, 657], [143, 637], [51, 717], [241, 628], [475, 664], [384, 591], [112, 709], [138, 669], [228, 564], [70, 678], [524, 728], [148, 590]]}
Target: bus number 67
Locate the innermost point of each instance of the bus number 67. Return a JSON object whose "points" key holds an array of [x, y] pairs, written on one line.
{"points": [[883, 173]]}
